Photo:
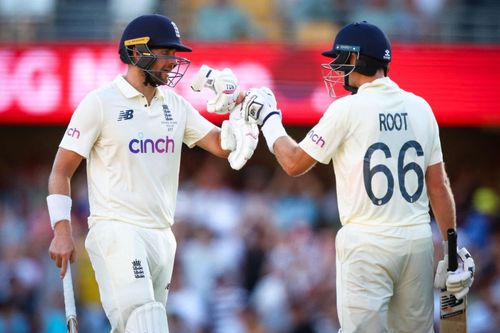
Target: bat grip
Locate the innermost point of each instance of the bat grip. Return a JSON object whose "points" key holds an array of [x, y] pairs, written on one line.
{"points": [[69, 297], [452, 250]]}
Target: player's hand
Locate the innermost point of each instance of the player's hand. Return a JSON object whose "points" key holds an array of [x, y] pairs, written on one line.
{"points": [[240, 137], [62, 247], [460, 281], [259, 105], [223, 83], [442, 271]]}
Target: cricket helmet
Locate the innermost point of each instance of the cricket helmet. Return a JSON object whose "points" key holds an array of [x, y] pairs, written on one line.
{"points": [[148, 32], [371, 47]]}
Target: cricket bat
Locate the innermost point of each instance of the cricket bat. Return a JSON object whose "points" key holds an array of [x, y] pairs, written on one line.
{"points": [[69, 302], [453, 312]]}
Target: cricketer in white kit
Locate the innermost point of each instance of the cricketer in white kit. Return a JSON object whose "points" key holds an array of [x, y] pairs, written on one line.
{"points": [[383, 205], [133, 158], [386, 152], [131, 134]]}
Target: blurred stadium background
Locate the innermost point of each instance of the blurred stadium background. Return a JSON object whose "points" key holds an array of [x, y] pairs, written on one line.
{"points": [[255, 248]]}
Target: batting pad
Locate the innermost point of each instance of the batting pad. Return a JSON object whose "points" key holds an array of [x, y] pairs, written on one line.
{"points": [[148, 318]]}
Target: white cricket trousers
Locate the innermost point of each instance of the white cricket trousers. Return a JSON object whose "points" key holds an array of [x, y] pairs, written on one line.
{"points": [[385, 279], [133, 266]]}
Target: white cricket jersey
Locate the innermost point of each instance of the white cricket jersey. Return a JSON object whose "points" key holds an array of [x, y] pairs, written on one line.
{"points": [[133, 151], [381, 141]]}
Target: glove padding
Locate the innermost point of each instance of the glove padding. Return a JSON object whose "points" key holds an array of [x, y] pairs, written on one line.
{"points": [[459, 281], [239, 136], [259, 105], [223, 83]]}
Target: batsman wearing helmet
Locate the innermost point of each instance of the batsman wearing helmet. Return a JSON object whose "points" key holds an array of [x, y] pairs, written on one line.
{"points": [[131, 133], [386, 153]]}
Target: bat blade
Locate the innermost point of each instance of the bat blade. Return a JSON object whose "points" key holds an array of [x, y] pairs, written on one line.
{"points": [[453, 312]]}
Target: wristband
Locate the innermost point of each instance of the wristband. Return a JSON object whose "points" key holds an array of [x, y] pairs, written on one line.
{"points": [[59, 206], [272, 130]]}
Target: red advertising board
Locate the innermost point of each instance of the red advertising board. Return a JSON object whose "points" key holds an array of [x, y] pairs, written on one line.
{"points": [[43, 83]]}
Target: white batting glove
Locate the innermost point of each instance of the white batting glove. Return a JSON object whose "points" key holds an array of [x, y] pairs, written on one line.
{"points": [[459, 281], [442, 269], [223, 83], [227, 137], [239, 136], [260, 106]]}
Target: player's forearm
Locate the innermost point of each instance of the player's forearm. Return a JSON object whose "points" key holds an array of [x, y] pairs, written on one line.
{"points": [[65, 165], [211, 143], [443, 207], [59, 183], [59, 189], [287, 153]]}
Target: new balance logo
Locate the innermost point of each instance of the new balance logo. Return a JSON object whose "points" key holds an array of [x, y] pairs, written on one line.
{"points": [[137, 268], [126, 115]]}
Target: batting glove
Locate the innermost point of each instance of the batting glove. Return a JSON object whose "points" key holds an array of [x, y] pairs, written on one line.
{"points": [[459, 281], [442, 269], [223, 83], [240, 137], [260, 106]]}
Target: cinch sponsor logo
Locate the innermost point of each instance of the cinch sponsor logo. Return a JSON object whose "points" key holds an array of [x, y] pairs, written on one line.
{"points": [[73, 132], [317, 139], [146, 146]]}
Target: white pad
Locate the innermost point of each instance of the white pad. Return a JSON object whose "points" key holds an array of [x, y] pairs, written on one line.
{"points": [[148, 318]]}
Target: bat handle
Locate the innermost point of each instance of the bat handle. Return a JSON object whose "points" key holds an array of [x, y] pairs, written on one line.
{"points": [[69, 301], [72, 325], [452, 250]]}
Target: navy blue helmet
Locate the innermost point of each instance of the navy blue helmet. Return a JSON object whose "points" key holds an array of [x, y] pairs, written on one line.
{"points": [[371, 47], [148, 32], [364, 38]]}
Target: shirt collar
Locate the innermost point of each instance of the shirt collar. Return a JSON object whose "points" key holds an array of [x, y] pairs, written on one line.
{"points": [[129, 91], [126, 88], [383, 82]]}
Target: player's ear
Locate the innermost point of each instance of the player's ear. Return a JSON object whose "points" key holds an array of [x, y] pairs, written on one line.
{"points": [[353, 57]]}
